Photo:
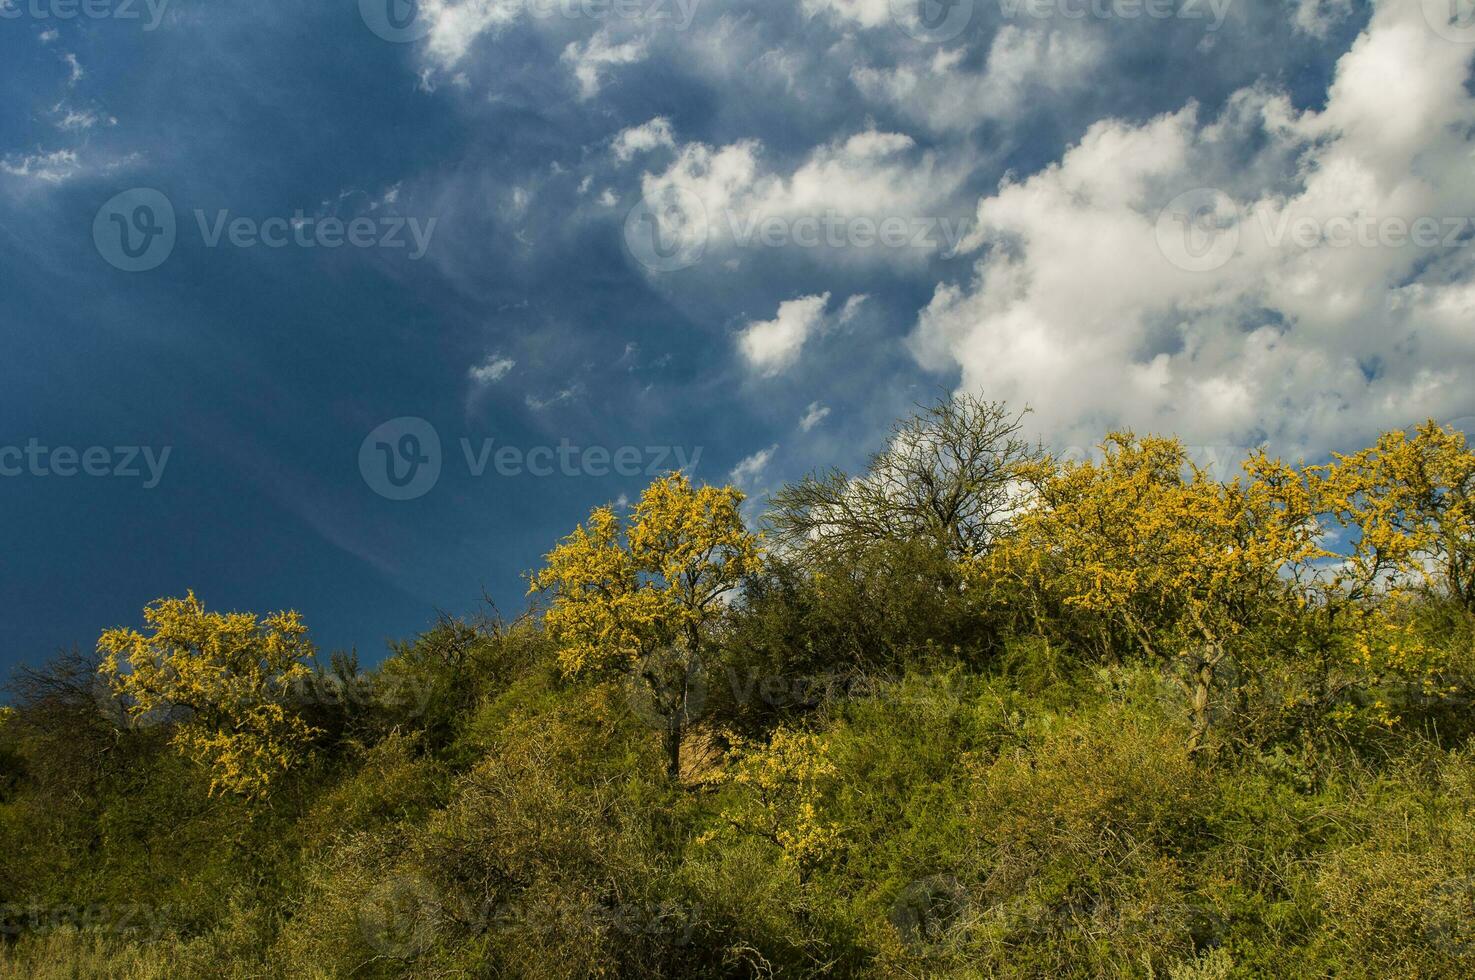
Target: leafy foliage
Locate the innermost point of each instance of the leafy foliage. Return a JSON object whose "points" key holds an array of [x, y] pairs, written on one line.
{"points": [[1011, 717], [645, 598], [1161, 553], [1411, 505], [225, 677]]}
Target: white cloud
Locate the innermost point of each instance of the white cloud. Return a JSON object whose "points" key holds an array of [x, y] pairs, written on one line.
{"points": [[456, 24], [590, 59], [568, 394], [813, 416], [74, 67], [1021, 63], [869, 177], [866, 13], [49, 35], [1075, 308], [51, 168], [771, 346], [751, 467], [492, 370], [1316, 17], [80, 119], [643, 138]]}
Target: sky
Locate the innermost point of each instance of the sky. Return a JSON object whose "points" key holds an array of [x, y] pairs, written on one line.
{"points": [[357, 307]]}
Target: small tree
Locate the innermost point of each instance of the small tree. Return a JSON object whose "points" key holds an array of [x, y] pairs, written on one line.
{"points": [[1405, 508], [223, 682], [644, 598], [779, 789], [1411, 505], [1177, 561], [948, 476]]}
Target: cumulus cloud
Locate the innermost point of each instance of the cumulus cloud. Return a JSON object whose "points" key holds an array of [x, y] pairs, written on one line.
{"points": [[872, 194], [750, 468], [456, 24], [865, 13], [590, 60], [1021, 64], [1266, 321], [771, 346], [643, 138]]}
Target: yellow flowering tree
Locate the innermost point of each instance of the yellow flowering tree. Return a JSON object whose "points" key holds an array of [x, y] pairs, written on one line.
{"points": [[222, 680], [779, 791], [1406, 510], [1156, 550], [644, 597], [1410, 505]]}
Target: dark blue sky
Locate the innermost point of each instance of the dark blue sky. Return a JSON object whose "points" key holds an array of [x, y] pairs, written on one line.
{"points": [[529, 320]]}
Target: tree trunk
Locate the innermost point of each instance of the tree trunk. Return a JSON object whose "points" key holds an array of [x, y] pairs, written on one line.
{"points": [[1203, 678], [673, 747]]}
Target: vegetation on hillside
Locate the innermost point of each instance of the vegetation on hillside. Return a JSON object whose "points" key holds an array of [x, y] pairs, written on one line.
{"points": [[974, 712]]}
